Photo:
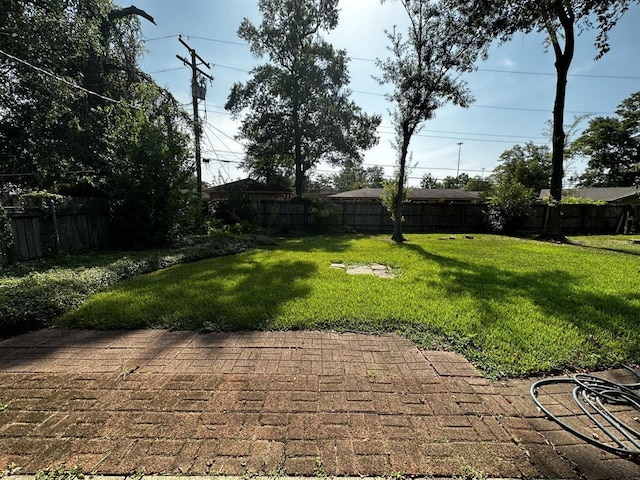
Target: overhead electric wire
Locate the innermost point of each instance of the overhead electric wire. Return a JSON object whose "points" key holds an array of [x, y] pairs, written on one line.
{"points": [[471, 133], [463, 138], [167, 70], [373, 60], [64, 80], [221, 141], [225, 134]]}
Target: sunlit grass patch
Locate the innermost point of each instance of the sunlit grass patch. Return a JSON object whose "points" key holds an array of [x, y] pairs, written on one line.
{"points": [[513, 306]]}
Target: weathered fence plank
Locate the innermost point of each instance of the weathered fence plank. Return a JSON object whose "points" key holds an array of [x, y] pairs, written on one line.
{"points": [[34, 230], [372, 217]]}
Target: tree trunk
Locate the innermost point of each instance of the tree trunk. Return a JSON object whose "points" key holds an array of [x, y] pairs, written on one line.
{"points": [[397, 214], [299, 161], [553, 229]]}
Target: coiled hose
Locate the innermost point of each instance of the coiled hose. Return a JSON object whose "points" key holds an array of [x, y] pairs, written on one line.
{"points": [[595, 396]]}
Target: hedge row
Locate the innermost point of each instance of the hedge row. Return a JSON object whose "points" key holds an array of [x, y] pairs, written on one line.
{"points": [[33, 300]]}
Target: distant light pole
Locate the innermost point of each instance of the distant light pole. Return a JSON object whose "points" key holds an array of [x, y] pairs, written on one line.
{"points": [[458, 169]]}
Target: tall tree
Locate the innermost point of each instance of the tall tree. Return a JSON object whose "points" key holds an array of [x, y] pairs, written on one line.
{"points": [[559, 19], [424, 71], [298, 104], [528, 164]]}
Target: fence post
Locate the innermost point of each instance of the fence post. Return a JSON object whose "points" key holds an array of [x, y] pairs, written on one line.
{"points": [[56, 230]]}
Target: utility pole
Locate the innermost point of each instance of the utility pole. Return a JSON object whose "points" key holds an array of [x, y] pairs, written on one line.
{"points": [[458, 169], [198, 92]]}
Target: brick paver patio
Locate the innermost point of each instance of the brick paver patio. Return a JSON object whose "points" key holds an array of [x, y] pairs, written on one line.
{"points": [[295, 403]]}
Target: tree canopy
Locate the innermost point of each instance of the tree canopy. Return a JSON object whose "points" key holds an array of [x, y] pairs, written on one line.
{"points": [[528, 164], [612, 147], [295, 109]]}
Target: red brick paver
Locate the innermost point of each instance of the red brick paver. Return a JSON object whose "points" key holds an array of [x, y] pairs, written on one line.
{"points": [[300, 403]]}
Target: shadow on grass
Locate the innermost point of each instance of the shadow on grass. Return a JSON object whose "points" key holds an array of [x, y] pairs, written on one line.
{"points": [[617, 249], [235, 294], [598, 316], [334, 243]]}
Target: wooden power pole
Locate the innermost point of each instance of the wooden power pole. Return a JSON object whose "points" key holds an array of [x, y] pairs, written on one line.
{"points": [[198, 92]]}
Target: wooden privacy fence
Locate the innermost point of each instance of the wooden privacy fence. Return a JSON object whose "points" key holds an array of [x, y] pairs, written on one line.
{"points": [[372, 217], [41, 232]]}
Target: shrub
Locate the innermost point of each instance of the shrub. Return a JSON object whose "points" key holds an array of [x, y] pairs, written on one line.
{"points": [[509, 206], [32, 301], [324, 214]]}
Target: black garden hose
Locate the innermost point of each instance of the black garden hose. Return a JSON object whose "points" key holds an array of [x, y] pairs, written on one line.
{"points": [[592, 394]]}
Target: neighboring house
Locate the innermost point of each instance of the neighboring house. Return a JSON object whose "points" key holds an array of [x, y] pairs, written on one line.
{"points": [[432, 195], [255, 189], [619, 195]]}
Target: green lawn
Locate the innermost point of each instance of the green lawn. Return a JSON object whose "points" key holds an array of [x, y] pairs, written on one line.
{"points": [[512, 306]]}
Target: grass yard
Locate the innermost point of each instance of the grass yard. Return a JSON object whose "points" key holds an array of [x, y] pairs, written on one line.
{"points": [[512, 306]]}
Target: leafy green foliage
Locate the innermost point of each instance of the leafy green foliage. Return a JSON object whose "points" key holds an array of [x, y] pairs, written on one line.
{"points": [[477, 184], [429, 181], [32, 299], [296, 109], [121, 137], [529, 165], [580, 201], [389, 197], [509, 206], [151, 185], [612, 147], [49, 128], [458, 182], [353, 176], [238, 208], [512, 306]]}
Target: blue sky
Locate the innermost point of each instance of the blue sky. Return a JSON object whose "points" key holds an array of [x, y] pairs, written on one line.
{"points": [[514, 88]]}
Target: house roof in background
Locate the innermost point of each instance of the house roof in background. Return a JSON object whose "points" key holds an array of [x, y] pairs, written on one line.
{"points": [[608, 194], [249, 185], [415, 194]]}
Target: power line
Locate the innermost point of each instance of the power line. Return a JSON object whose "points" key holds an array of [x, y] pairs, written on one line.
{"points": [[519, 109], [32, 174], [373, 60], [226, 135], [463, 138], [207, 39], [167, 70], [220, 140], [579, 75], [471, 133], [422, 135], [63, 80], [545, 74]]}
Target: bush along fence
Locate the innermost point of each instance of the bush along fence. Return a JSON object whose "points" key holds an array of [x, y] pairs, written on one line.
{"points": [[372, 217], [42, 227]]}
